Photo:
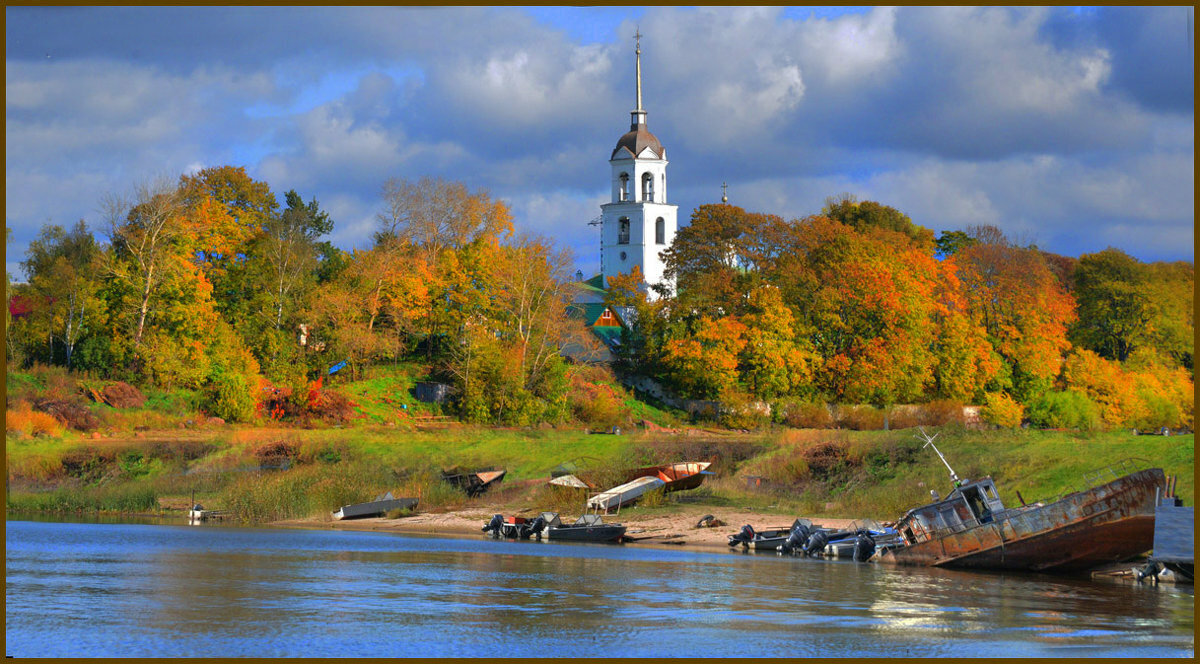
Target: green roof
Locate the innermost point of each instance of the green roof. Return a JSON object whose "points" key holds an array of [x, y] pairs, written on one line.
{"points": [[609, 334]]}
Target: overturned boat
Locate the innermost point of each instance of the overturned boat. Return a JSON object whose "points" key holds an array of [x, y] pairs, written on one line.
{"points": [[972, 528], [378, 507]]}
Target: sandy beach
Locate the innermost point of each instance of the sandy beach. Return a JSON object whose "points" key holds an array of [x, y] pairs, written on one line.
{"points": [[645, 527]]}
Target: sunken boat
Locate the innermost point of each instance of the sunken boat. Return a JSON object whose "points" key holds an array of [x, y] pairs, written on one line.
{"points": [[971, 528]]}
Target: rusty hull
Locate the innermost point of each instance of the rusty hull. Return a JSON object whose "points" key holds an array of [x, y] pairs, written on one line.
{"points": [[1107, 523]]}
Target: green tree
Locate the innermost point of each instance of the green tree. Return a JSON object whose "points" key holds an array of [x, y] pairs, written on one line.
{"points": [[64, 270], [865, 215], [1114, 304]]}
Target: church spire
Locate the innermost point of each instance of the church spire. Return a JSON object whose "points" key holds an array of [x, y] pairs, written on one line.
{"points": [[638, 114], [637, 35]]}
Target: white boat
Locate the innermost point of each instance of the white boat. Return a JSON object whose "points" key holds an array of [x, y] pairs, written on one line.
{"points": [[624, 494]]}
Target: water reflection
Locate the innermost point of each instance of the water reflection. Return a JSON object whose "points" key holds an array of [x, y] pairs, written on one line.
{"points": [[137, 590]]}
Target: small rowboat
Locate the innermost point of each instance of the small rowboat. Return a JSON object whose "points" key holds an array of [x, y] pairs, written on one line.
{"points": [[624, 494], [676, 476]]}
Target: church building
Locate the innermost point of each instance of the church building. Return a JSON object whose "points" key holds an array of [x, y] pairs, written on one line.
{"points": [[638, 223], [635, 226]]}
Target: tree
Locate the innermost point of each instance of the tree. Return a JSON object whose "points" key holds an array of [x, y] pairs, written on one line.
{"points": [[151, 240], [1012, 294], [720, 256], [772, 363], [950, 242], [229, 210], [865, 215], [436, 214], [1115, 306], [64, 272]]}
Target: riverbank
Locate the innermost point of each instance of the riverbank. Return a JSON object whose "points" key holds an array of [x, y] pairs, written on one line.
{"points": [[269, 475], [677, 528]]}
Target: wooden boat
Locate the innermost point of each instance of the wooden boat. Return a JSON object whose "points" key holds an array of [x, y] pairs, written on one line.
{"points": [[198, 514], [676, 476], [378, 507], [623, 494], [972, 528], [473, 483]]}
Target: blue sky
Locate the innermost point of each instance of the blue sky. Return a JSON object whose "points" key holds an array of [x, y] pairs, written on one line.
{"points": [[1071, 129]]}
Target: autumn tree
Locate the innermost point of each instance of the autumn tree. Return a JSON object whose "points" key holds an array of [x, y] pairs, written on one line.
{"points": [[151, 239], [864, 215], [774, 363], [719, 257], [229, 210], [282, 271], [870, 314], [64, 270], [1012, 294]]}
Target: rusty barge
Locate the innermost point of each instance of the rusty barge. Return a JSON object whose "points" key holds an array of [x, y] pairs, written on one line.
{"points": [[972, 528]]}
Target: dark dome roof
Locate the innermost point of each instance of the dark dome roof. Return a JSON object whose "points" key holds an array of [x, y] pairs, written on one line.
{"points": [[637, 139]]}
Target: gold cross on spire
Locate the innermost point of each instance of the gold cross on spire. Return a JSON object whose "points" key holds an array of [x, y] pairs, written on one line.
{"points": [[724, 198]]}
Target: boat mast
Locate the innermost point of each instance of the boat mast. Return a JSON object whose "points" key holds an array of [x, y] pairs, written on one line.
{"points": [[929, 443]]}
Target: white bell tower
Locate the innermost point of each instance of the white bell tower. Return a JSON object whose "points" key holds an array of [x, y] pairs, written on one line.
{"points": [[638, 223]]}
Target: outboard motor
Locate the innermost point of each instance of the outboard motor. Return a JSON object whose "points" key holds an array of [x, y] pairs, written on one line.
{"points": [[744, 536], [795, 539], [495, 525], [532, 528], [864, 545], [816, 543]]}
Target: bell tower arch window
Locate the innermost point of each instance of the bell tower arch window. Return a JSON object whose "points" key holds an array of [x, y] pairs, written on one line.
{"points": [[660, 231], [623, 230], [648, 187], [624, 192]]}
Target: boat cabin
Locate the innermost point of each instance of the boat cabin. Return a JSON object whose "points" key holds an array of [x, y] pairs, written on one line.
{"points": [[971, 504]]}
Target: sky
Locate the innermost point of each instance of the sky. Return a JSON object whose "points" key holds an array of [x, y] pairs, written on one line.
{"points": [[1069, 128]]}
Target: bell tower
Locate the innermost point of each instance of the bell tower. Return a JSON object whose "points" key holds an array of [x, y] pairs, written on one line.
{"points": [[638, 223]]}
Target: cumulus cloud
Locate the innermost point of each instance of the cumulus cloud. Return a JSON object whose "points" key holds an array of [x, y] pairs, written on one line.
{"points": [[1038, 120]]}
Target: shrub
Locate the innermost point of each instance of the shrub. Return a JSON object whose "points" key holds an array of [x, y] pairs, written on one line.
{"points": [[742, 411], [1064, 410], [24, 420], [229, 397], [1002, 411], [860, 418], [594, 401], [807, 415]]}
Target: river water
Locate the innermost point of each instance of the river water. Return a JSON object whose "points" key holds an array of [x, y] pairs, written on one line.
{"points": [[137, 589]]}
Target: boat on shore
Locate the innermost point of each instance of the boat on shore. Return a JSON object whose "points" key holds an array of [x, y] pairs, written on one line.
{"points": [[378, 507], [548, 525], [765, 539], [623, 494], [474, 483], [972, 528], [675, 476]]}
